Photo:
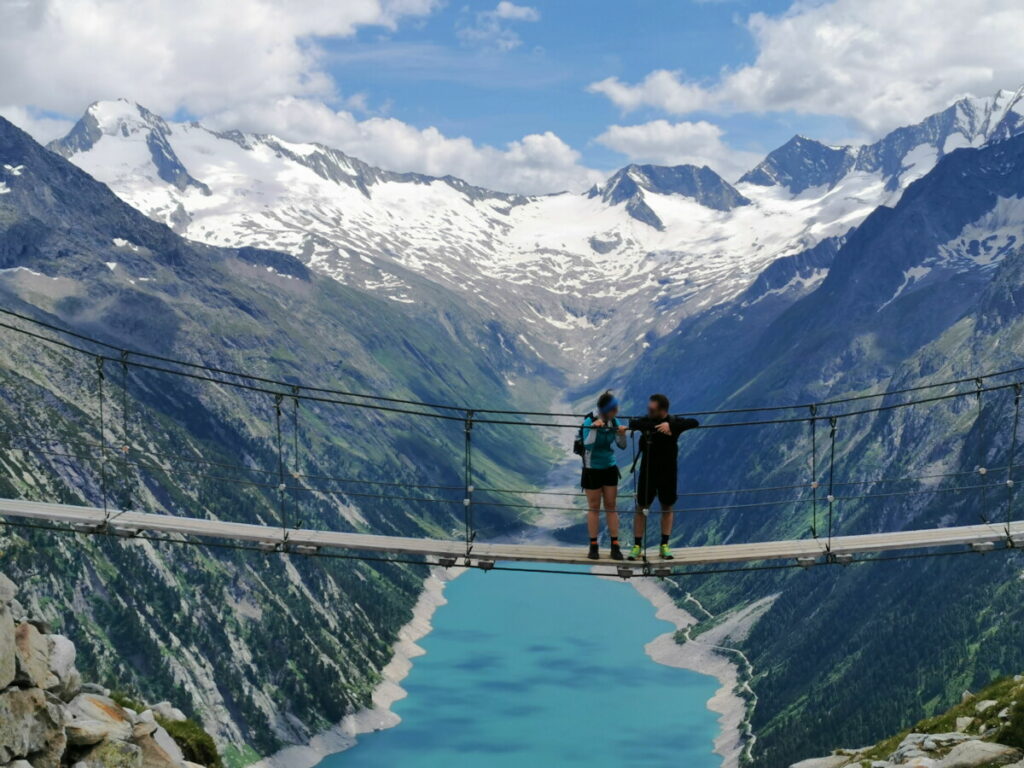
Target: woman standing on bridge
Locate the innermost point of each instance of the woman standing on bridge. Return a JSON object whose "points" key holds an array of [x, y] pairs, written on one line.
{"points": [[600, 434]]}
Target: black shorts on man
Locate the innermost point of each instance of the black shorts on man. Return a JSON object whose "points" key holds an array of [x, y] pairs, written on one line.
{"points": [[595, 479], [659, 483]]}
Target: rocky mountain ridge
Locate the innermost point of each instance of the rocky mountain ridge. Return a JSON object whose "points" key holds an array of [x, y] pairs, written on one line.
{"points": [[985, 730], [624, 263], [50, 718]]}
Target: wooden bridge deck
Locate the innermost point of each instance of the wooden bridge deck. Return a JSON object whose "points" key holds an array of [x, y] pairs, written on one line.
{"points": [[127, 523]]}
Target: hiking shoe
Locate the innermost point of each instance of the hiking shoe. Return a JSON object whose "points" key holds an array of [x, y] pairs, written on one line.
{"points": [[593, 553], [616, 552], [635, 553], [666, 553]]}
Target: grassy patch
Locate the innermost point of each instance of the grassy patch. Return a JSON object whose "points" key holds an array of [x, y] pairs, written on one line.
{"points": [[239, 757], [196, 744]]}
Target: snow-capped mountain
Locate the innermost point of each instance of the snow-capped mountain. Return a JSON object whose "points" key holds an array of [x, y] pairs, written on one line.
{"points": [[901, 156], [586, 280]]}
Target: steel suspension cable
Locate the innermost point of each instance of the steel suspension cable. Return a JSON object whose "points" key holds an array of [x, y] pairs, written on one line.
{"points": [[1012, 457], [100, 376], [468, 477], [459, 408], [831, 475], [814, 471]]}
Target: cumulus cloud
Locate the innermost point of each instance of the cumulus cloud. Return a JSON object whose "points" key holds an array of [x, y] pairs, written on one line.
{"points": [[662, 89], [537, 163], [41, 127], [878, 63], [513, 12], [665, 143], [193, 54], [251, 65], [489, 29]]}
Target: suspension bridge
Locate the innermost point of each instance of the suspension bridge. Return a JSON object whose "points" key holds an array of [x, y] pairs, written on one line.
{"points": [[181, 525]]}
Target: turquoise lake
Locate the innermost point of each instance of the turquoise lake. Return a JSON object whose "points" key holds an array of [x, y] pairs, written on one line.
{"points": [[542, 670]]}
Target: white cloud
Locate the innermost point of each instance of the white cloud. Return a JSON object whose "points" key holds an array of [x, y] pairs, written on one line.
{"points": [[251, 65], [194, 54], [878, 63], [37, 125], [537, 163], [513, 12], [489, 31], [661, 88], [665, 143]]}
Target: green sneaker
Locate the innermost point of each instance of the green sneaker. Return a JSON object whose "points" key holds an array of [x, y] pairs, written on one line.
{"points": [[635, 553], [666, 553]]}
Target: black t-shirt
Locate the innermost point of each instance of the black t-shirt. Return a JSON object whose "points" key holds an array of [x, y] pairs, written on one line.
{"points": [[662, 449]]}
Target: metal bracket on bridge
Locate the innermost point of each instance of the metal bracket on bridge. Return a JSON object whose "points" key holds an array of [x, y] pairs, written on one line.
{"points": [[446, 562], [268, 546], [87, 527], [983, 546], [807, 562], [840, 558], [302, 549], [485, 565], [624, 573]]}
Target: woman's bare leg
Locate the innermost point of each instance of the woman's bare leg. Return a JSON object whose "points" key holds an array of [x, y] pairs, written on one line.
{"points": [[611, 494], [593, 512]]}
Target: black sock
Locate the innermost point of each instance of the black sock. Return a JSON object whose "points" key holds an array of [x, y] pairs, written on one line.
{"points": [[638, 540], [593, 541], [615, 541], [664, 539]]}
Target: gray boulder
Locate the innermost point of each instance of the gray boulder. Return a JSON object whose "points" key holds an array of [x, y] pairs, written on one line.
{"points": [[32, 656], [101, 709], [8, 590], [832, 761], [30, 725], [112, 754], [85, 733], [167, 712], [973, 754], [62, 666], [7, 647]]}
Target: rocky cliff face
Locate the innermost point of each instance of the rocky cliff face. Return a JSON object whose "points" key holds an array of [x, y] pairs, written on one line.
{"points": [[983, 731], [49, 717]]}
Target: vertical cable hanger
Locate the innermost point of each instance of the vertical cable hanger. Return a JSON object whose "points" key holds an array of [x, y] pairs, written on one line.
{"points": [[814, 470], [831, 476], [295, 450], [100, 376], [126, 443], [1013, 456], [278, 399], [467, 501]]}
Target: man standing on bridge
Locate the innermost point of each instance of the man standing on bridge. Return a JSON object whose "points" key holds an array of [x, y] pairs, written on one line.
{"points": [[659, 469]]}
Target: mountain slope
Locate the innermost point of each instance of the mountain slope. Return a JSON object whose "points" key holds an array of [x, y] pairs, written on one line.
{"points": [[208, 626], [626, 261], [900, 156], [927, 290]]}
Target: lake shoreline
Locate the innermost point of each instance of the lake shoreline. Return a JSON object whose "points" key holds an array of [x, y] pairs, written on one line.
{"points": [[703, 659], [378, 717]]}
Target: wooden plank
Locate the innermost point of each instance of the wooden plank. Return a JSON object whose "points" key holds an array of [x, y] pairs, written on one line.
{"points": [[717, 554]]}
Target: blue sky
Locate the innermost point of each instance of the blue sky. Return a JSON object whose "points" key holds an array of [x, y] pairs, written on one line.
{"points": [[425, 74], [518, 95]]}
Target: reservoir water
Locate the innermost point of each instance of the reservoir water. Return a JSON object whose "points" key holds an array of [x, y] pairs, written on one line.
{"points": [[543, 670]]}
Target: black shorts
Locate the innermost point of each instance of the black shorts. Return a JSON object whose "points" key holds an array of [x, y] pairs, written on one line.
{"points": [[657, 484], [596, 479]]}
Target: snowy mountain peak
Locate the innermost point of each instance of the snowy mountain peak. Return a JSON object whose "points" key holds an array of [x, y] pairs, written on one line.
{"points": [[900, 156], [141, 139], [802, 163], [629, 185]]}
